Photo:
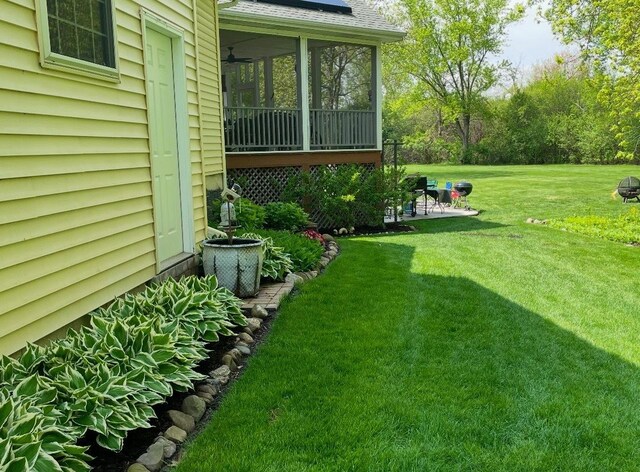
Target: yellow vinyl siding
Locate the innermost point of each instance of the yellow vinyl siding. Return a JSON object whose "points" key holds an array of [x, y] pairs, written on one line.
{"points": [[87, 300], [210, 88], [30, 166], [76, 215]]}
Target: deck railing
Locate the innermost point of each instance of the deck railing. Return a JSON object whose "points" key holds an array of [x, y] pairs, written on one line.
{"points": [[343, 129], [279, 129], [262, 129]]}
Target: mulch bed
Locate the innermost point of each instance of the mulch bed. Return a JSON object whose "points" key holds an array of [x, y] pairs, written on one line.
{"points": [[368, 230]]}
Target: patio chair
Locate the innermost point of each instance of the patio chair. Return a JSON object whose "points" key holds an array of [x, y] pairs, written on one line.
{"points": [[431, 192]]}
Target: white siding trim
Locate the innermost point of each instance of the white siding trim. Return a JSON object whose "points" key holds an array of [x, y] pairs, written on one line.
{"points": [[376, 72], [303, 90]]}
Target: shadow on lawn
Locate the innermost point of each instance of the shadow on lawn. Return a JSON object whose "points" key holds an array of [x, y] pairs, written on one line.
{"points": [[373, 367], [454, 225], [499, 386]]}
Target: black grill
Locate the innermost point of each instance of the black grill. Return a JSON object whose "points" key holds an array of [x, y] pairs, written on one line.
{"points": [[463, 187], [629, 188]]}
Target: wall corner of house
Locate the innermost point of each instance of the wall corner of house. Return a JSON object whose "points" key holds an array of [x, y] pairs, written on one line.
{"points": [[215, 182]]}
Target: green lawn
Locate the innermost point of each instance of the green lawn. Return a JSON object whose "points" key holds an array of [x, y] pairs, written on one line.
{"points": [[477, 344]]}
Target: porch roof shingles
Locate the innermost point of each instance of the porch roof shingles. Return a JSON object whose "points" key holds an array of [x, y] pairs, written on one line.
{"points": [[364, 20]]}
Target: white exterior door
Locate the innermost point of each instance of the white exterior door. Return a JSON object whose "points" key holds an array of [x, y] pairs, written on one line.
{"points": [[164, 145]]}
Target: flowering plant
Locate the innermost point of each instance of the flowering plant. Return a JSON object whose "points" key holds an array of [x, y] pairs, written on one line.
{"points": [[313, 234]]}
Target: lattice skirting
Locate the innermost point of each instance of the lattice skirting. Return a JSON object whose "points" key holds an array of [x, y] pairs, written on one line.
{"points": [[264, 185]]}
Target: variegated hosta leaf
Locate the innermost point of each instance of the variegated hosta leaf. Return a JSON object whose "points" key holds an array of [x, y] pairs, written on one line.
{"points": [[105, 377], [30, 440]]}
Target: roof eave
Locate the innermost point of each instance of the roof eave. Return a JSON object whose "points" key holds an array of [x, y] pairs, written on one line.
{"points": [[230, 18]]}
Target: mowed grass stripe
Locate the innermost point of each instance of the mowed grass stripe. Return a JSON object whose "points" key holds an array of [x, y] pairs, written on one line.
{"points": [[476, 344]]}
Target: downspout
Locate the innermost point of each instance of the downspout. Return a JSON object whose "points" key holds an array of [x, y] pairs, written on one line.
{"points": [[228, 4]]}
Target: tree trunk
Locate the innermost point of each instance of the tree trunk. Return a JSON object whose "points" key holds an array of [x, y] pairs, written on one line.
{"points": [[465, 135], [463, 127]]}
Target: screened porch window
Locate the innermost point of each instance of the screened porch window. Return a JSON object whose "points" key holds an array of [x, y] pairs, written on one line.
{"points": [[82, 29], [269, 107]]}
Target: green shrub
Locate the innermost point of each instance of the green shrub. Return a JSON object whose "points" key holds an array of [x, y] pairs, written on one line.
{"points": [[624, 229], [106, 377], [345, 195], [285, 216], [303, 252], [249, 215], [277, 263]]}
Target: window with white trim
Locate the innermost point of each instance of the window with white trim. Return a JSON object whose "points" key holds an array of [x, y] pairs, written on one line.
{"points": [[80, 31]]}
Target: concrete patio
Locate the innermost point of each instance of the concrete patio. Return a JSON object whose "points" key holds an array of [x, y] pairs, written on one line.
{"points": [[432, 213]]}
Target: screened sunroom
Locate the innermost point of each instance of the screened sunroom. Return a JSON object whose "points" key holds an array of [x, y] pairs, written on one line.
{"points": [[301, 85], [265, 108], [302, 75]]}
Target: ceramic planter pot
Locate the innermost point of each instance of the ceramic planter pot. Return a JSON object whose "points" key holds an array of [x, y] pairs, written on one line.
{"points": [[237, 266]]}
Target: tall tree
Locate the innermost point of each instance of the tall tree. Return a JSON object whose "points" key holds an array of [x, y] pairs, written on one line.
{"points": [[346, 77], [607, 32], [450, 52]]}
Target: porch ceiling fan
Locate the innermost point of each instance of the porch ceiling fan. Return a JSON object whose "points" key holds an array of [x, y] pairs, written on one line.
{"points": [[231, 59]]}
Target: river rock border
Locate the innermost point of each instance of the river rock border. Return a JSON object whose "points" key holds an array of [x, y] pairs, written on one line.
{"points": [[165, 450]]}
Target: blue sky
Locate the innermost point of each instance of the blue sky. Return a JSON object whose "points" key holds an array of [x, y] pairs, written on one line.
{"points": [[531, 42]]}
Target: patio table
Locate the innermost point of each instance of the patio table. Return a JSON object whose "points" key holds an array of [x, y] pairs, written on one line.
{"points": [[444, 195]]}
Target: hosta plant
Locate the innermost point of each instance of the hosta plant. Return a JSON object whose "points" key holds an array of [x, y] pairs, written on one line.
{"points": [[303, 252], [106, 377], [31, 440], [277, 263]]}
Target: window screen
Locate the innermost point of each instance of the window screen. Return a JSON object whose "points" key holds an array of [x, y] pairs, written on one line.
{"points": [[82, 29]]}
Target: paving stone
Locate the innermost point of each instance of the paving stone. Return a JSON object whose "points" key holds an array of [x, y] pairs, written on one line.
{"points": [[153, 458], [175, 434], [254, 324], [168, 446], [137, 468], [221, 374], [244, 350], [194, 406], [258, 311], [207, 397], [207, 388], [182, 420]]}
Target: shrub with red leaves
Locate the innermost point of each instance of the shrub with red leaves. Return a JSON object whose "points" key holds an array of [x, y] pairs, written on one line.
{"points": [[313, 234]]}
